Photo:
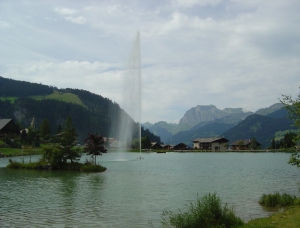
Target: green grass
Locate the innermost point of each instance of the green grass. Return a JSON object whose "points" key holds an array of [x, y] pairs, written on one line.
{"points": [[280, 134], [289, 218], [11, 99], [11, 152], [277, 200], [66, 97], [207, 212]]}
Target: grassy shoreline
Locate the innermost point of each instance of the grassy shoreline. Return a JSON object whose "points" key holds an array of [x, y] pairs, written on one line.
{"points": [[289, 218]]}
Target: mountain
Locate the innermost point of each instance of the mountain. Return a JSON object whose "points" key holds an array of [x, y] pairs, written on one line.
{"points": [[271, 109], [194, 122], [90, 113], [232, 123], [208, 113], [208, 130], [261, 127]]}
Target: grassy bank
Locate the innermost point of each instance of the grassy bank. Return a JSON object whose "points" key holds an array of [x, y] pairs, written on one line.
{"points": [[11, 152], [210, 212], [289, 218]]}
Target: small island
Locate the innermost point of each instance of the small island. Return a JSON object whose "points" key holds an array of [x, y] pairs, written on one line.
{"points": [[63, 154]]}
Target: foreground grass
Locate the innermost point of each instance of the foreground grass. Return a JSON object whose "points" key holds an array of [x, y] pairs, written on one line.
{"points": [[207, 212], [289, 218]]}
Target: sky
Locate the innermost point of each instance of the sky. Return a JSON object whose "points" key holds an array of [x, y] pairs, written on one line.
{"points": [[229, 53]]}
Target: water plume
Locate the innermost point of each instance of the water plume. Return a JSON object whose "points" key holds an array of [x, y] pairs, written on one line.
{"points": [[128, 128]]}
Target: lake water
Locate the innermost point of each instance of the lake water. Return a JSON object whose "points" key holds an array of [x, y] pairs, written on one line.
{"points": [[133, 192]]}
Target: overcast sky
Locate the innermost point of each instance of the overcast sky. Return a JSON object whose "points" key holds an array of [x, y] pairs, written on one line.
{"points": [[229, 53]]}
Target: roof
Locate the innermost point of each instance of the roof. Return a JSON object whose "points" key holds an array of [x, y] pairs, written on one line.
{"points": [[8, 126], [4, 122], [209, 140], [246, 142]]}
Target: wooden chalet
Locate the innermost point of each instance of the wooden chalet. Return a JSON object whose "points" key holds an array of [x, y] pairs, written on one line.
{"points": [[243, 144], [155, 146], [180, 146], [8, 128], [166, 146], [212, 144]]}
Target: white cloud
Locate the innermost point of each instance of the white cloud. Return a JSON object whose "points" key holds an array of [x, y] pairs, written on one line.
{"points": [[191, 3], [77, 20], [4, 24], [227, 53], [65, 11]]}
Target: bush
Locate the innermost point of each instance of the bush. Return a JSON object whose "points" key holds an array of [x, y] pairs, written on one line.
{"points": [[92, 168], [207, 212], [277, 200]]}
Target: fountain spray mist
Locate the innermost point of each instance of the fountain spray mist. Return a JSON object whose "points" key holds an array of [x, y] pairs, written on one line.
{"points": [[132, 98]]}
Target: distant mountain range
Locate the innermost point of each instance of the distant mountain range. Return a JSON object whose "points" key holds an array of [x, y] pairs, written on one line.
{"points": [[232, 123], [22, 101]]}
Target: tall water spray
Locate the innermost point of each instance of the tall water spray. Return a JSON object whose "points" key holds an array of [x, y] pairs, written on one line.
{"points": [[132, 97]]}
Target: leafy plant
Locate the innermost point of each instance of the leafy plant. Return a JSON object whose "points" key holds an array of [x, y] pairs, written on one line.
{"points": [[207, 212], [94, 145], [277, 200]]}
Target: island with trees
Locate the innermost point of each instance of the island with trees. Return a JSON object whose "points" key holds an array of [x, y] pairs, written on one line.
{"points": [[63, 153]]}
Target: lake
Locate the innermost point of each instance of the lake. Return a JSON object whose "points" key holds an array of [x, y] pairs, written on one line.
{"points": [[134, 192]]}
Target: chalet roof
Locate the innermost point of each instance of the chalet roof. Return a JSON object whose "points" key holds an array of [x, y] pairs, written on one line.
{"points": [[209, 140], [4, 122], [8, 126], [246, 142]]}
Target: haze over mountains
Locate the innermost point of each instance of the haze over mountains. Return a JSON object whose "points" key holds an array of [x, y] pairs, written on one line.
{"points": [[232, 123]]}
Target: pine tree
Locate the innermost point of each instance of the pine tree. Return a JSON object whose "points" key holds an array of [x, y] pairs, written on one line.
{"points": [[67, 140], [45, 129]]}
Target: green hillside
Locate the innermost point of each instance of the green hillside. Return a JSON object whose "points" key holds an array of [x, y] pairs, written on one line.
{"points": [[61, 96], [90, 113]]}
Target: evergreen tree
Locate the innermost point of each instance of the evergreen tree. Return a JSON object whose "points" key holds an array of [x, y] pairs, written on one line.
{"points": [[254, 144], [146, 143], [45, 129], [67, 140]]}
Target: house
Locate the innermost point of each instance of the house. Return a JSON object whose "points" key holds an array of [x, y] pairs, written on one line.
{"points": [[243, 144], [212, 144], [180, 146], [155, 145], [166, 146], [8, 128]]}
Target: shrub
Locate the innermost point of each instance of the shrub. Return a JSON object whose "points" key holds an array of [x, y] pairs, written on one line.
{"points": [[13, 164], [92, 168], [207, 212], [277, 200]]}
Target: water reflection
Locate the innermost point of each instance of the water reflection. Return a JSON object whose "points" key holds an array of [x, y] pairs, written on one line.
{"points": [[131, 192]]}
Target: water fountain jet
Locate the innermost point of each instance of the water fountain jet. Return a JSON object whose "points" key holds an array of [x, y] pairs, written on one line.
{"points": [[131, 102]]}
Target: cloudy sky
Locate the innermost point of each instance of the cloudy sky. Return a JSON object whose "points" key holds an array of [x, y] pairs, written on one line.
{"points": [[229, 53]]}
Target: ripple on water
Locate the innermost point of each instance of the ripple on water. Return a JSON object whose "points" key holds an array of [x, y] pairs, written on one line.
{"points": [[133, 192]]}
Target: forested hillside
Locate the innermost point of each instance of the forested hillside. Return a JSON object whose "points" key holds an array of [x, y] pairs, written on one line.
{"points": [[262, 128], [100, 115], [206, 131], [14, 88]]}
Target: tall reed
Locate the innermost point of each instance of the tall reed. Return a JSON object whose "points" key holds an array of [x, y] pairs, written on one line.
{"points": [[277, 200]]}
